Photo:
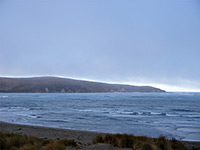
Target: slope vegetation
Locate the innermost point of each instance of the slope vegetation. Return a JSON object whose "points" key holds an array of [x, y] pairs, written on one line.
{"points": [[65, 85]]}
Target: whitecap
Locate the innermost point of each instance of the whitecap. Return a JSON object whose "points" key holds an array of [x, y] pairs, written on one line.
{"points": [[4, 96]]}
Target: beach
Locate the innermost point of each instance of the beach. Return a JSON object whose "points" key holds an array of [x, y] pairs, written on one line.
{"points": [[83, 138]]}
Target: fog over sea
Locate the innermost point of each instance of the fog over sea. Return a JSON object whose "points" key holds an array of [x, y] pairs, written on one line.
{"points": [[174, 115]]}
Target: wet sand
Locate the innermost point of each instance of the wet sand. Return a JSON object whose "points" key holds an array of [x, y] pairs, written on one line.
{"points": [[83, 138]]}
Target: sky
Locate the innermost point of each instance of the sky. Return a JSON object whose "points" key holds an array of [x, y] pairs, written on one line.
{"points": [[137, 42]]}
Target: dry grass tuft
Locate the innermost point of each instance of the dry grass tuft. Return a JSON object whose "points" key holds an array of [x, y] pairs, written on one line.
{"points": [[22, 142], [139, 142]]}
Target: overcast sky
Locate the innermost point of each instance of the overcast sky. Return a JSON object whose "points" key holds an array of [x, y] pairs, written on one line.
{"points": [[142, 42]]}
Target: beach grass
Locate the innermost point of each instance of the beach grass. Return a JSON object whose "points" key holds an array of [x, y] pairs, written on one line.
{"points": [[13, 141], [139, 142]]}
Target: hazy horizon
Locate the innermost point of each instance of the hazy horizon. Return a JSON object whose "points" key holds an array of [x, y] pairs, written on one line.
{"points": [[155, 43]]}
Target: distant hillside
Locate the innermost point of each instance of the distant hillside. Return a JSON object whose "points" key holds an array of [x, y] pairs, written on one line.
{"points": [[64, 85]]}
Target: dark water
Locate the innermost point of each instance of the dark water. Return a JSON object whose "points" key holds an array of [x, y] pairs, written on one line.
{"points": [[174, 115]]}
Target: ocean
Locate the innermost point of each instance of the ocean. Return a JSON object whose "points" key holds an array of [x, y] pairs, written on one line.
{"points": [[174, 115]]}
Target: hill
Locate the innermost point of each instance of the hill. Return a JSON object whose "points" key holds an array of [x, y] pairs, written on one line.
{"points": [[65, 85]]}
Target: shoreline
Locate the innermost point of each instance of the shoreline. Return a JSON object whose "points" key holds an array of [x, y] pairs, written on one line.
{"points": [[49, 132], [83, 138]]}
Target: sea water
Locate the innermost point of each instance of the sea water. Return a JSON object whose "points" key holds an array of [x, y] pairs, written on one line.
{"points": [[174, 115]]}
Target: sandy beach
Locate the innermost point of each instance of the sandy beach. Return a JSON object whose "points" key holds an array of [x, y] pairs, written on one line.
{"points": [[83, 138]]}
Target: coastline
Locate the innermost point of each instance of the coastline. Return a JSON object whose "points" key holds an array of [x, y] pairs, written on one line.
{"points": [[49, 132], [83, 138]]}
